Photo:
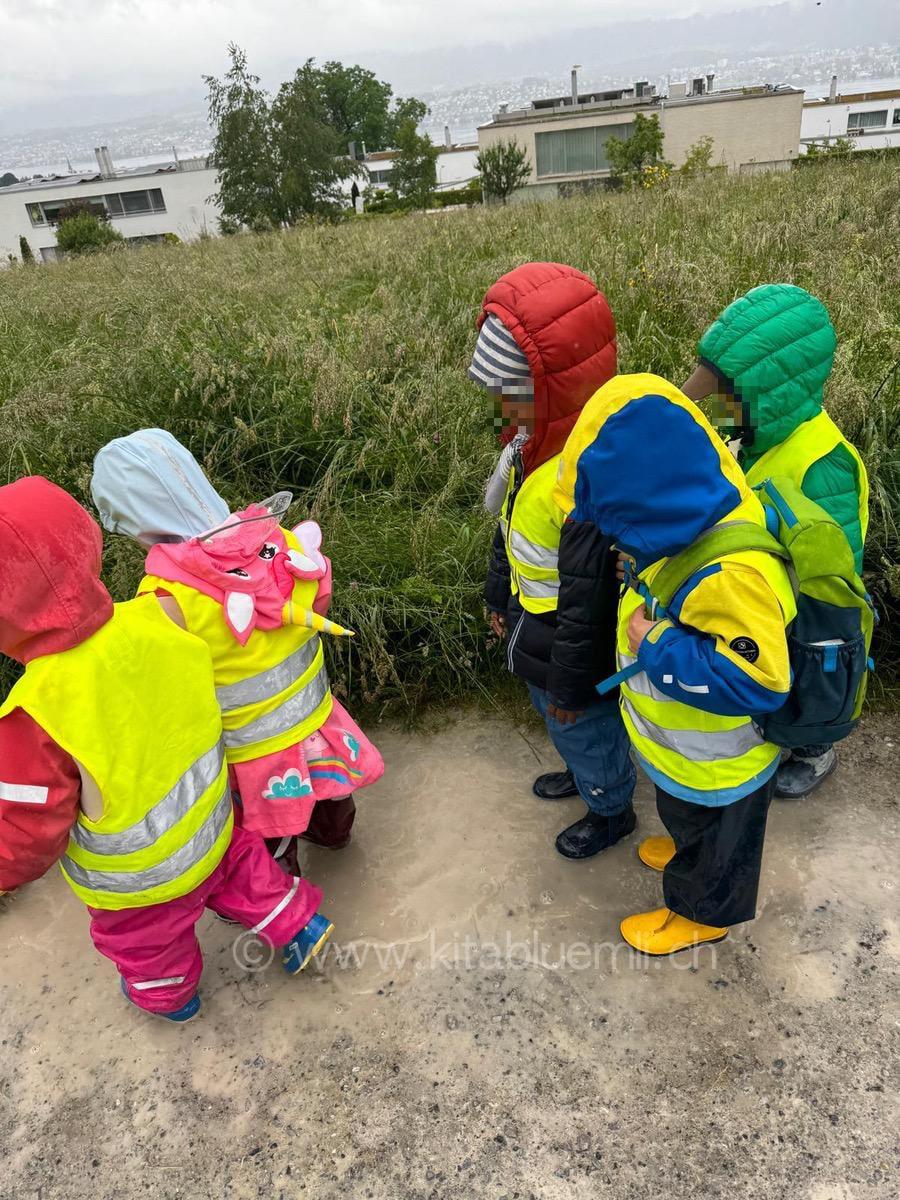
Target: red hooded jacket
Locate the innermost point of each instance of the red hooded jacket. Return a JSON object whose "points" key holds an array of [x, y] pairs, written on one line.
{"points": [[51, 599], [565, 326]]}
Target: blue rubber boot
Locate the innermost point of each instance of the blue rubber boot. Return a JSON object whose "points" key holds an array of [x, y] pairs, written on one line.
{"points": [[306, 944], [180, 1016]]}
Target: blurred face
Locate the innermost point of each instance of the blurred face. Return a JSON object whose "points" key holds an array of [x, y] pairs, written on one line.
{"points": [[726, 412], [516, 412]]}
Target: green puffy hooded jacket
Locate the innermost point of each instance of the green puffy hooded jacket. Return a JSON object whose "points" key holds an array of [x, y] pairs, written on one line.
{"points": [[775, 347]]}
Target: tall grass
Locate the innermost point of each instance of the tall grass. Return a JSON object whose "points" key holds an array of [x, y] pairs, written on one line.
{"points": [[331, 361]]}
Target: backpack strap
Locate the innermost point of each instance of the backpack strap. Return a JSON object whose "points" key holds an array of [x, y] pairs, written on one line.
{"points": [[736, 537]]}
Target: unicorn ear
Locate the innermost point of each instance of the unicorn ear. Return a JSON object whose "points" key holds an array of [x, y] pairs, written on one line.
{"points": [[240, 615], [309, 535]]}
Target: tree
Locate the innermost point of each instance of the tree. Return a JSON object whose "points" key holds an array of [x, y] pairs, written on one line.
{"points": [[629, 157], [356, 104], [409, 109], [278, 159], [698, 159], [243, 146], [414, 170], [310, 154], [7, 179], [25, 251], [83, 231], [503, 168]]}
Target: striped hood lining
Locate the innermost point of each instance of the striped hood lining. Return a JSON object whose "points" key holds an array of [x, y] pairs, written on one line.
{"points": [[499, 364]]}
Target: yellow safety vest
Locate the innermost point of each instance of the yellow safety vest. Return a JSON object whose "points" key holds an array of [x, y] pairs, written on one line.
{"points": [[134, 706], [532, 523], [702, 752], [807, 445], [273, 691]]}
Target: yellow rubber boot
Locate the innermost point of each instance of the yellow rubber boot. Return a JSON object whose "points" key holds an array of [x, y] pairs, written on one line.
{"points": [[664, 932], [655, 852]]}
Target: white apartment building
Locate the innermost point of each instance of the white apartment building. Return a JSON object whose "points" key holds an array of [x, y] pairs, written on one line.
{"points": [[752, 129], [871, 120], [143, 203], [455, 166]]}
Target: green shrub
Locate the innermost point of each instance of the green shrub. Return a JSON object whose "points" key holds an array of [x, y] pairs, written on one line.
{"points": [[332, 361], [469, 194], [83, 232]]}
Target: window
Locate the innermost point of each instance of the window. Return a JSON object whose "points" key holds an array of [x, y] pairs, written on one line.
{"points": [[577, 151], [113, 204], [47, 212], [897, 116], [875, 119]]}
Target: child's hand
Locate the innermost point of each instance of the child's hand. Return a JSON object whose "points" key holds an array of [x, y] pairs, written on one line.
{"points": [[638, 628], [624, 560], [497, 622], [565, 716]]}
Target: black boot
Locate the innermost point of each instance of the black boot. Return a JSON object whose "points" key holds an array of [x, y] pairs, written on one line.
{"points": [[594, 833], [557, 785]]}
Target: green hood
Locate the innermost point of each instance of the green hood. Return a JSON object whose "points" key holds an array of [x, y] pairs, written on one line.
{"points": [[775, 345]]}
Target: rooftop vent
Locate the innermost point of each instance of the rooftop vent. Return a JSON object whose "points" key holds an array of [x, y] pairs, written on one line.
{"points": [[105, 162]]}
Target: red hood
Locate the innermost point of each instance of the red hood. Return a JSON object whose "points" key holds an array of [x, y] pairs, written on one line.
{"points": [[51, 597], [566, 328]]}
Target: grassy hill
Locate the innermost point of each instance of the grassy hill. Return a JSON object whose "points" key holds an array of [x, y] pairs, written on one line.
{"points": [[331, 361]]}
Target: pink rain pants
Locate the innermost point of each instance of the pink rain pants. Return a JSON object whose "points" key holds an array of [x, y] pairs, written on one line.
{"points": [[156, 949]]}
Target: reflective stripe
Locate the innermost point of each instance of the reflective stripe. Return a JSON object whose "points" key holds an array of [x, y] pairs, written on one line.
{"points": [[697, 689], [694, 744], [164, 815], [174, 867], [531, 553], [282, 847], [640, 684], [538, 589], [268, 683], [279, 908], [156, 983], [291, 712], [23, 793]]}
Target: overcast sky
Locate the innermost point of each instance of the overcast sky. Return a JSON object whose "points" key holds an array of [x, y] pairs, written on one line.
{"points": [[107, 47]]}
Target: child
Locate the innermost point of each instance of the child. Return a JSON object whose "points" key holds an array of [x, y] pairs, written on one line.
{"points": [[766, 359], [111, 760], [294, 752], [644, 465], [547, 341]]}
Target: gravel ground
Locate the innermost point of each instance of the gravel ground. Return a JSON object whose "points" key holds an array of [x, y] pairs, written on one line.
{"points": [[483, 1032]]}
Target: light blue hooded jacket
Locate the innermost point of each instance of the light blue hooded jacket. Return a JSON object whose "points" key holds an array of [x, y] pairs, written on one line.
{"points": [[151, 488]]}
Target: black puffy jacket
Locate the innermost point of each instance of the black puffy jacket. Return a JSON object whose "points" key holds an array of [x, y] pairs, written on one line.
{"points": [[568, 652]]}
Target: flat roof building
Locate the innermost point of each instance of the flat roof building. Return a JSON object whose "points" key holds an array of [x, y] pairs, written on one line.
{"points": [[455, 166], [752, 129], [871, 120], [143, 203]]}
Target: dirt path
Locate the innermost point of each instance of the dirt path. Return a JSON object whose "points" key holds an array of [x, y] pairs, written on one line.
{"points": [[546, 1061]]}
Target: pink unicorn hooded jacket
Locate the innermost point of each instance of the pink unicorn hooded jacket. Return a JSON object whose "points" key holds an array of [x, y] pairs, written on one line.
{"points": [[256, 593]]}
